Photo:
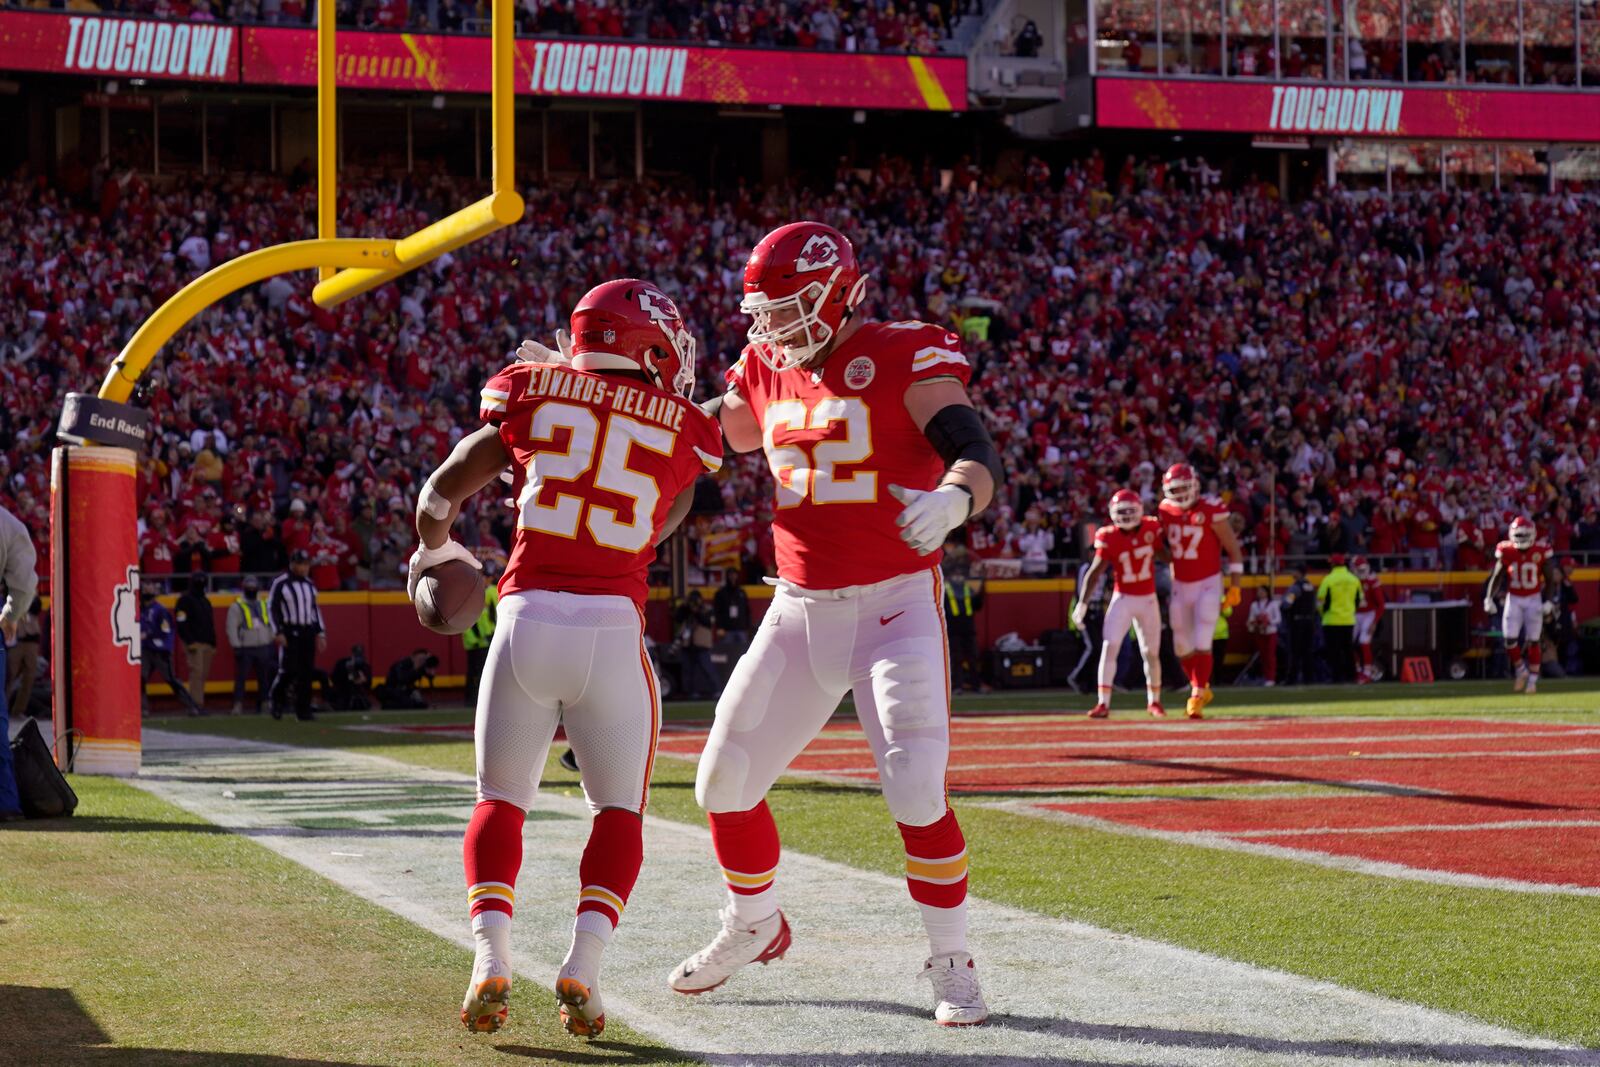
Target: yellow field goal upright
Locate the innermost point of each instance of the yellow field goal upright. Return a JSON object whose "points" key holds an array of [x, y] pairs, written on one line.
{"points": [[348, 266]]}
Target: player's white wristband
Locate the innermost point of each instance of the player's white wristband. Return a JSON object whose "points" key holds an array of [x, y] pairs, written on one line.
{"points": [[1236, 568], [433, 503]]}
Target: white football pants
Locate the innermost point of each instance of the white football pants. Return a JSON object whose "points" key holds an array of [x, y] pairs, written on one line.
{"points": [[1522, 619], [1193, 609], [883, 642], [1143, 613], [578, 660]]}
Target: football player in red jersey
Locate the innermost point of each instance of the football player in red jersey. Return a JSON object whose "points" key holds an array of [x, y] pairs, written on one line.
{"points": [[1128, 548], [1368, 615], [1526, 563], [607, 451], [1197, 532], [877, 454]]}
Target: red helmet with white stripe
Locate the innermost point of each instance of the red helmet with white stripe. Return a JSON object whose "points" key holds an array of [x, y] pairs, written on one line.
{"points": [[1127, 510], [1181, 485], [1523, 532], [800, 285], [630, 324]]}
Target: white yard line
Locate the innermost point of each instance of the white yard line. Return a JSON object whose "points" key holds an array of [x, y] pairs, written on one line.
{"points": [[857, 742], [1413, 828], [850, 773], [1063, 993], [1231, 843]]}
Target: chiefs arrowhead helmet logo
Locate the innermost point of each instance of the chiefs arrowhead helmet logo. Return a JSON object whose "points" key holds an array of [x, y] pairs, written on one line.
{"points": [[125, 615], [657, 305], [821, 251]]}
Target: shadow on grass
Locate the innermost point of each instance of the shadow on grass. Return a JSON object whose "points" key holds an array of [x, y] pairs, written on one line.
{"points": [[49, 1026], [1146, 1037]]}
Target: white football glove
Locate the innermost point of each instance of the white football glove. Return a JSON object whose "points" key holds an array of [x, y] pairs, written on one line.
{"points": [[1489, 606], [928, 516], [534, 352], [1080, 614], [425, 558], [1549, 609]]}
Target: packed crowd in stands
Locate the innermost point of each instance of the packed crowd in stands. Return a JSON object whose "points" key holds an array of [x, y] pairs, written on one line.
{"points": [[912, 26], [1392, 376]]}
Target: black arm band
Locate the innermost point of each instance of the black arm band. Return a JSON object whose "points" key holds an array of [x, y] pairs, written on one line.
{"points": [[957, 433]]}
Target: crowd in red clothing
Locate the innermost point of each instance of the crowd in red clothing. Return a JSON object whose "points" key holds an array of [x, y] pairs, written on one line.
{"points": [[913, 26], [1393, 376]]}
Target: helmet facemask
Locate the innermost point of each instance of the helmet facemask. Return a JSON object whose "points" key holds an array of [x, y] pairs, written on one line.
{"points": [[797, 342], [1523, 534], [1126, 515], [682, 345], [1183, 492]]}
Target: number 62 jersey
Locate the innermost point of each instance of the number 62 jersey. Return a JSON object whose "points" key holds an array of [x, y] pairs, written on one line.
{"points": [[599, 462], [836, 437]]}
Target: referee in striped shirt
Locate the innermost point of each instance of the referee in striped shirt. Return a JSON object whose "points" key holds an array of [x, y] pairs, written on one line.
{"points": [[297, 618]]}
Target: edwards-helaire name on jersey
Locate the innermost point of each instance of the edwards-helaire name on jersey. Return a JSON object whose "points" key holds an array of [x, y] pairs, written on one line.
{"points": [[555, 383], [136, 46], [607, 69]]}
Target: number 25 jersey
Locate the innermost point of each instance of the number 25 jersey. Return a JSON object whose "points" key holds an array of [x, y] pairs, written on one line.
{"points": [[600, 460], [836, 438]]}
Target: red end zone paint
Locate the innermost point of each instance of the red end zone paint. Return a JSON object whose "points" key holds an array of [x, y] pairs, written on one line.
{"points": [[1540, 778]]}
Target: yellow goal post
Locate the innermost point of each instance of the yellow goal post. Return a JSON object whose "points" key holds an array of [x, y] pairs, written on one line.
{"points": [[347, 266]]}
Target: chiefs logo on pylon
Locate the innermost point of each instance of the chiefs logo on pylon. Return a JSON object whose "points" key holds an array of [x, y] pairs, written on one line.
{"points": [[125, 615], [821, 251]]}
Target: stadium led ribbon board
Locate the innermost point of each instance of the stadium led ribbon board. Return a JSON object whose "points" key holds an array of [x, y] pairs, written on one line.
{"points": [[110, 46], [1373, 109]]}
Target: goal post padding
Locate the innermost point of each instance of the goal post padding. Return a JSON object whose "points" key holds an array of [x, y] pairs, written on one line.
{"points": [[94, 560]]}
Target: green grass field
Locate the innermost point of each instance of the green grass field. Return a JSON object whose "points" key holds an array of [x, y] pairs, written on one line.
{"points": [[137, 933]]}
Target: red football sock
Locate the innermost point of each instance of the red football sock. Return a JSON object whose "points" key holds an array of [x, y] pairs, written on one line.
{"points": [[746, 844], [610, 865], [492, 855], [1188, 664], [1202, 670], [936, 862], [1514, 654], [1535, 654], [1366, 655]]}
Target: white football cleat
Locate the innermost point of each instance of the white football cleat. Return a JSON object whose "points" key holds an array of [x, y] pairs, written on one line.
{"points": [[736, 945], [488, 999], [955, 986], [581, 1011], [1522, 679], [1533, 684]]}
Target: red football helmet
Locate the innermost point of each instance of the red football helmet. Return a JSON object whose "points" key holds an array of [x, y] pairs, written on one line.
{"points": [[629, 324], [1523, 532], [1127, 510], [1181, 485], [1362, 567], [800, 285]]}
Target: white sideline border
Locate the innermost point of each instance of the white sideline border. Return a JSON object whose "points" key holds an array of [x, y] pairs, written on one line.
{"points": [[1065, 993]]}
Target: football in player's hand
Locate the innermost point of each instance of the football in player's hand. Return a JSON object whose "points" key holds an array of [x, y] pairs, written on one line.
{"points": [[450, 597]]}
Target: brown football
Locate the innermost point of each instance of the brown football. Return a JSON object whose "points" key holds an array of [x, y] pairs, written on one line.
{"points": [[450, 597]]}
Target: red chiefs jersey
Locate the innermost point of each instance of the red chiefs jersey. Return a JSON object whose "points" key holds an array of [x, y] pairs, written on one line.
{"points": [[1372, 589], [837, 438], [1131, 555], [1196, 549], [601, 461], [1524, 567]]}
